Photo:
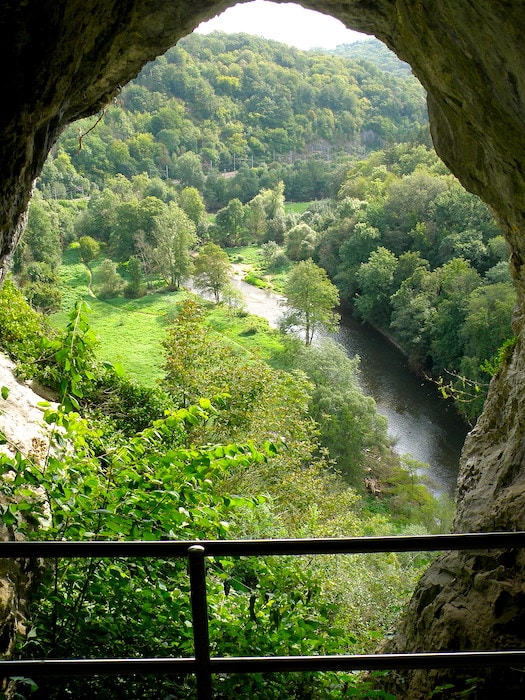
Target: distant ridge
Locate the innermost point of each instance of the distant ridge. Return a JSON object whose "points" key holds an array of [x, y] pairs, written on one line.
{"points": [[375, 52]]}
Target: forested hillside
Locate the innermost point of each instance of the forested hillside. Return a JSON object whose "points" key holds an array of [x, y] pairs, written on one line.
{"points": [[239, 101], [373, 52]]}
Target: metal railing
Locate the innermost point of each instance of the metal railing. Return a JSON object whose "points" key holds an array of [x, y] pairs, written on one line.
{"points": [[202, 665]]}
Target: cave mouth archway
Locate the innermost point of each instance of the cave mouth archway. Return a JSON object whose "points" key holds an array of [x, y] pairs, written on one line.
{"points": [[65, 59]]}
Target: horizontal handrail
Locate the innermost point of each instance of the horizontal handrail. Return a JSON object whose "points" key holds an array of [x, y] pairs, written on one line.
{"points": [[266, 547], [201, 665], [262, 664]]}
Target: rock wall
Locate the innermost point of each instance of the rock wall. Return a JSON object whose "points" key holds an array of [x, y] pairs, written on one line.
{"points": [[22, 429], [64, 59]]}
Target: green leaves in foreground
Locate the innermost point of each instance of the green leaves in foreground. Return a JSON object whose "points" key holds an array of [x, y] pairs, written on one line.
{"points": [[153, 487]]}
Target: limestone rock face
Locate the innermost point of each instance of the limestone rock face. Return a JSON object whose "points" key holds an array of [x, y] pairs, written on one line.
{"points": [[64, 59], [22, 429]]}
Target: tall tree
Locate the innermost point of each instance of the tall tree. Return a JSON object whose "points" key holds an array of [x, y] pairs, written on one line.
{"points": [[300, 241], [175, 236], [310, 298], [188, 169], [375, 279], [111, 283], [212, 270], [191, 202], [135, 287], [230, 223], [88, 249]]}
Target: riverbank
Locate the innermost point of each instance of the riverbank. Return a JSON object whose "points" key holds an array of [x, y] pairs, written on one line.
{"points": [[420, 423]]}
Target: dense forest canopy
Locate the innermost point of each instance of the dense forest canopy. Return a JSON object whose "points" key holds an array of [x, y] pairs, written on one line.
{"points": [[236, 101]]}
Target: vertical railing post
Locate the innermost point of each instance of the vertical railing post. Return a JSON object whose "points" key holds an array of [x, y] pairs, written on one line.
{"points": [[199, 610]]}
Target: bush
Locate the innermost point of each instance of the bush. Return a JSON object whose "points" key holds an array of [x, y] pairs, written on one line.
{"points": [[23, 331], [252, 279]]}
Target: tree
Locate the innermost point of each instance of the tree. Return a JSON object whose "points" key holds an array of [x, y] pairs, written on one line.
{"points": [[188, 169], [43, 296], [135, 286], [413, 315], [41, 240], [349, 425], [212, 270], [111, 282], [457, 280], [99, 218], [88, 249], [256, 220], [310, 298], [301, 241], [175, 236], [132, 217], [191, 202], [360, 239], [231, 223], [488, 322], [375, 279]]}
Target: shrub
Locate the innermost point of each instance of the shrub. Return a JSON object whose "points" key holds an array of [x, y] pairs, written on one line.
{"points": [[23, 331], [252, 279]]}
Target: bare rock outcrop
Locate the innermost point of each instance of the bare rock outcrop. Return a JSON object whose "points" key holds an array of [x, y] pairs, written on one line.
{"points": [[23, 431]]}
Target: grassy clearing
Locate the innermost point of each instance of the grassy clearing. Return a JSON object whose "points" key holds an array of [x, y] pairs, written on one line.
{"points": [[250, 260], [248, 256], [131, 331], [296, 207], [251, 332]]}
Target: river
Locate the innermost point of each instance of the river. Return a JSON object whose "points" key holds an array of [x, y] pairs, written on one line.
{"points": [[419, 420], [422, 424]]}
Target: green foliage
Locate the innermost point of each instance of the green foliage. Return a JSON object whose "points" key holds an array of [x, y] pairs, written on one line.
{"points": [[103, 480], [464, 688], [191, 202], [236, 104], [229, 228], [41, 242], [135, 286], [257, 400], [88, 249], [212, 269], [252, 278], [310, 298], [406, 246], [300, 242], [421, 259], [120, 406], [43, 297], [349, 426], [500, 358], [109, 280], [376, 284], [151, 487], [174, 237], [73, 357], [23, 331]]}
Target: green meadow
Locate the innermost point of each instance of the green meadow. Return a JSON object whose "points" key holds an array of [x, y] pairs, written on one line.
{"points": [[131, 331]]}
